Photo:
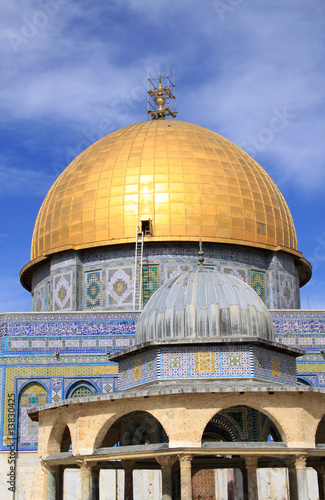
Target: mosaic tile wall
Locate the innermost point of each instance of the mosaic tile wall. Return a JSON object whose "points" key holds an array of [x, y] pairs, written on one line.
{"points": [[273, 275], [31, 387], [195, 362], [304, 329], [57, 350]]}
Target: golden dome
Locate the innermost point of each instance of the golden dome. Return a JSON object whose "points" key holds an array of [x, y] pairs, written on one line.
{"points": [[188, 181]]}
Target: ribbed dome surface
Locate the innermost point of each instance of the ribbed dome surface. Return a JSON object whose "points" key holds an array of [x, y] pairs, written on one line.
{"points": [[204, 303]]}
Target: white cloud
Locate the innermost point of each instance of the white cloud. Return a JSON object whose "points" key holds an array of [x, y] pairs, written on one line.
{"points": [[24, 182], [232, 73]]}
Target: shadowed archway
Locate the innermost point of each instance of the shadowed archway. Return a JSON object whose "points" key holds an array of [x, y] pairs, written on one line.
{"points": [[135, 428], [240, 423]]}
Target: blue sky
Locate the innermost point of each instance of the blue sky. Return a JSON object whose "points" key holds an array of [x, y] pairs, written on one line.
{"points": [[73, 71]]}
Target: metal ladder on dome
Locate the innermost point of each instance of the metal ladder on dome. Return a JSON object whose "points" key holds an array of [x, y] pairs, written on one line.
{"points": [[138, 260]]}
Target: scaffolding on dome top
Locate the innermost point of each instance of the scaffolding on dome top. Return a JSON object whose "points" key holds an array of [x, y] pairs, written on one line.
{"points": [[160, 91]]}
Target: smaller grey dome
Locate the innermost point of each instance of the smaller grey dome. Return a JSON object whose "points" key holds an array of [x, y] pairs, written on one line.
{"points": [[204, 303]]}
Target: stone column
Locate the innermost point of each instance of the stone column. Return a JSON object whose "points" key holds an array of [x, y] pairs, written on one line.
{"points": [[251, 468], [186, 477], [86, 483], [128, 466], [301, 472], [292, 476], [52, 473], [320, 469], [166, 463]]}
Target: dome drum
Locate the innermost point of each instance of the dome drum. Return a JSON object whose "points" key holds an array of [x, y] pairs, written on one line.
{"points": [[273, 275]]}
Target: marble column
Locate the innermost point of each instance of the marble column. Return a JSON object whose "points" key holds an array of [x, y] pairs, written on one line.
{"points": [[86, 483], [186, 477], [301, 472], [292, 477], [251, 462], [320, 469], [166, 463], [128, 466], [52, 473]]}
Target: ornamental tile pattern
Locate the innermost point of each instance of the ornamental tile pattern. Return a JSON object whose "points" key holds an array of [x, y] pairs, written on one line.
{"points": [[93, 290], [119, 288], [207, 362], [235, 362], [39, 298], [116, 266], [174, 362], [62, 291], [138, 369], [150, 282], [33, 394], [258, 283], [204, 362]]}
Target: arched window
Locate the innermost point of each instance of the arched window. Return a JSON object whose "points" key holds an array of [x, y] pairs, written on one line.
{"points": [[66, 440], [32, 394], [302, 381], [81, 389]]}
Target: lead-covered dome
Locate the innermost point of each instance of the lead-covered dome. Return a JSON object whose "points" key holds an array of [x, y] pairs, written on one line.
{"points": [[204, 304]]}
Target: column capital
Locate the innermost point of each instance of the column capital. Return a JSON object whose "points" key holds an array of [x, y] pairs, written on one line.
{"points": [[301, 460], [166, 461], [128, 465], [251, 461], [47, 467], [185, 460], [86, 467], [290, 462]]}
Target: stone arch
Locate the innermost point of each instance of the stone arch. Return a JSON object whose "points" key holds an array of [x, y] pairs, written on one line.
{"points": [[60, 438], [32, 393], [80, 388], [134, 428], [240, 423], [66, 441], [320, 432]]}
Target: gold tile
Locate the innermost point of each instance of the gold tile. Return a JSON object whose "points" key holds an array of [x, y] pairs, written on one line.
{"points": [[116, 222], [161, 198], [116, 201], [177, 208], [223, 221], [116, 211], [130, 209], [177, 197], [188, 169], [176, 218], [193, 219], [130, 199], [101, 225]]}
